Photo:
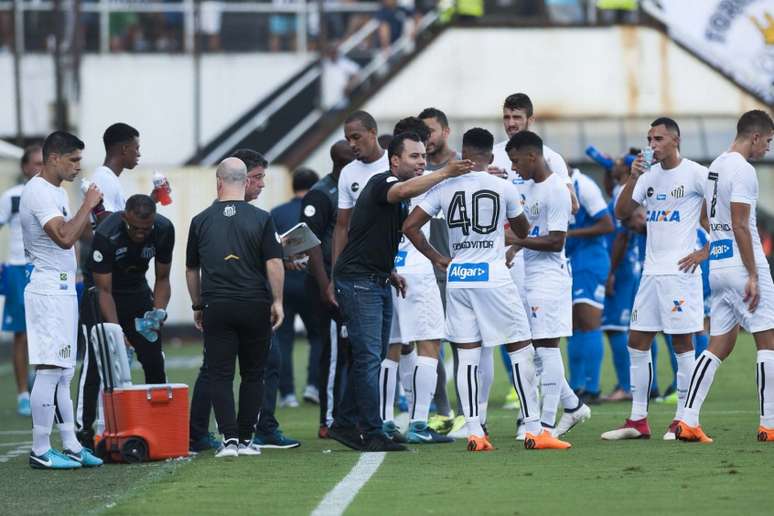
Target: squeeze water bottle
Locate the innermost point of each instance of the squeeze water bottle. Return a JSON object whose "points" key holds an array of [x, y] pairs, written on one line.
{"points": [[99, 209], [647, 156], [161, 188]]}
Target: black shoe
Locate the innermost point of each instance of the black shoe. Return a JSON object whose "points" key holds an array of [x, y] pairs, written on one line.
{"points": [[591, 398], [348, 436], [85, 438], [382, 443]]}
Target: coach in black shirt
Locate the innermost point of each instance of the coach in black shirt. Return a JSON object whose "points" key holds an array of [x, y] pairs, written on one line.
{"points": [[234, 273], [362, 275], [124, 244]]}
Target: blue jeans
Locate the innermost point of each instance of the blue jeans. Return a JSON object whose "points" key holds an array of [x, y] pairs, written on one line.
{"points": [[366, 305]]}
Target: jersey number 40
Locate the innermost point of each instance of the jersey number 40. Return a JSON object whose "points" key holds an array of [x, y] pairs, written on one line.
{"points": [[457, 217]]}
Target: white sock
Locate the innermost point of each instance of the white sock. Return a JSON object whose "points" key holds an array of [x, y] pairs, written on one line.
{"points": [[64, 412], [485, 380], [388, 377], [42, 405], [685, 362], [406, 372], [641, 374], [551, 383], [425, 377], [467, 386], [22, 396], [525, 382], [699, 386], [765, 378], [570, 400]]}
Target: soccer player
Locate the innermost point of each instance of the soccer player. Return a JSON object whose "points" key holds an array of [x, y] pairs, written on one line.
{"points": [[122, 152], [417, 319], [15, 274], [319, 212], [480, 293], [669, 298], [740, 278], [586, 248], [363, 275], [50, 301], [547, 291]]}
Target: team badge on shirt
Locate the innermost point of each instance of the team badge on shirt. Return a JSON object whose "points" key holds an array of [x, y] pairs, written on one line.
{"points": [[97, 256], [355, 187], [148, 252], [229, 211], [679, 192], [309, 211]]}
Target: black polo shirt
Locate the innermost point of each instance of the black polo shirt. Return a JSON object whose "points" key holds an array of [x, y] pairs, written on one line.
{"points": [[319, 210], [113, 252], [374, 231], [230, 242]]}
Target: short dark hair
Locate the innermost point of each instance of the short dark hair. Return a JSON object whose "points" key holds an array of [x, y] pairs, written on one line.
{"points": [[525, 139], [119, 133], [250, 158], [439, 115], [304, 178], [413, 124], [478, 139], [667, 122], [141, 205], [29, 151], [384, 140], [363, 117], [519, 101], [396, 145], [61, 142], [755, 121]]}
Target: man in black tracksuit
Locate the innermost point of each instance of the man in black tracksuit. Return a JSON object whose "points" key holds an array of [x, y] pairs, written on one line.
{"points": [[318, 211], [123, 246]]}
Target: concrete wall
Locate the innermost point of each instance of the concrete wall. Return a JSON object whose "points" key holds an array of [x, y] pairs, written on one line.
{"points": [[154, 93]]}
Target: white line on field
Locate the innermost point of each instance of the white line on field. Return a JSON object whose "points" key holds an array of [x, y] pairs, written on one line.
{"points": [[16, 432], [15, 452], [19, 443], [338, 499]]}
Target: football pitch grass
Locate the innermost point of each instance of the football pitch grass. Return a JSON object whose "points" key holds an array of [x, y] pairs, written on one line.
{"points": [[731, 476]]}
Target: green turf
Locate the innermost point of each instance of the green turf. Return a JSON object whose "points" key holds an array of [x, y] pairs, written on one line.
{"points": [[595, 477]]}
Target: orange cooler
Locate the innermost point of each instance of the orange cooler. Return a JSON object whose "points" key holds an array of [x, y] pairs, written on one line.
{"points": [[145, 422]]}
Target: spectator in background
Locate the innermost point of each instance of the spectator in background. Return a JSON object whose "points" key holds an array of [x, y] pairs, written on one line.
{"points": [[338, 79], [618, 11], [297, 301], [282, 28], [15, 274], [392, 20], [565, 12], [210, 19]]}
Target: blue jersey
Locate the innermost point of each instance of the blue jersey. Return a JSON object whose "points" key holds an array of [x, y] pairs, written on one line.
{"points": [[588, 253]]}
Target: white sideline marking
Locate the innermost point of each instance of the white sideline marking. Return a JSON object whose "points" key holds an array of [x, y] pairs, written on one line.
{"points": [[338, 499], [16, 432], [21, 450]]}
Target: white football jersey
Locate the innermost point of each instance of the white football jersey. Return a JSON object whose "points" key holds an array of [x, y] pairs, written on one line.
{"points": [[9, 215], [476, 206], [40, 203], [409, 260], [548, 207], [354, 177], [673, 200], [113, 197], [731, 179]]}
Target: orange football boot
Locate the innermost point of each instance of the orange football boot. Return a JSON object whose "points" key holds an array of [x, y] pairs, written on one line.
{"points": [[695, 434], [544, 441], [479, 444], [765, 434]]}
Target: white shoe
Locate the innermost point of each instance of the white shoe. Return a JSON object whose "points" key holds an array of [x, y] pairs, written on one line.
{"points": [[247, 448], [288, 401], [312, 394], [570, 419], [521, 431], [229, 448], [670, 433]]}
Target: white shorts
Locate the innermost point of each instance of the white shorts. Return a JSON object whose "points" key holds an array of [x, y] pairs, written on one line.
{"points": [[670, 303], [728, 306], [517, 272], [52, 328], [418, 316], [492, 316], [548, 305]]}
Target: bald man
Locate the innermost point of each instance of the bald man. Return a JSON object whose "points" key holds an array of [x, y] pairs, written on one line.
{"points": [[235, 274]]}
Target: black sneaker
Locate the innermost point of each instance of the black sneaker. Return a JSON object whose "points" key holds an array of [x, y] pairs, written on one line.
{"points": [[382, 443], [348, 436]]}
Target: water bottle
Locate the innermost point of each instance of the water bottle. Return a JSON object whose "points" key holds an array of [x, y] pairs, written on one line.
{"points": [[161, 188], [99, 209], [601, 158], [145, 328], [647, 156]]}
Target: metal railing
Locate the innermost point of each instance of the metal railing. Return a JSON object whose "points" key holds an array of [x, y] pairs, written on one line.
{"points": [[97, 14]]}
